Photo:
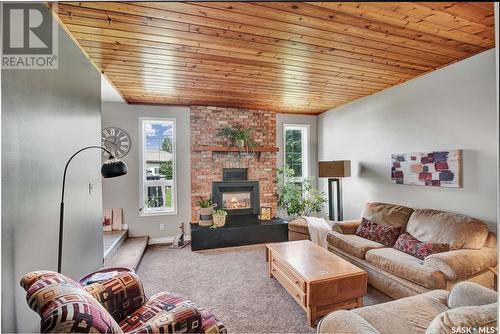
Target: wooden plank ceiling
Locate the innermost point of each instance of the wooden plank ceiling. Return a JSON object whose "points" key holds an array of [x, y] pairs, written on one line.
{"points": [[288, 57]]}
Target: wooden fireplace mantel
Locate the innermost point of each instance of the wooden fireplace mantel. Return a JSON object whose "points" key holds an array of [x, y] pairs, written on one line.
{"points": [[233, 149]]}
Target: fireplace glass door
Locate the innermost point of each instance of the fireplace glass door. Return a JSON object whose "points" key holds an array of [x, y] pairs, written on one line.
{"points": [[236, 200]]}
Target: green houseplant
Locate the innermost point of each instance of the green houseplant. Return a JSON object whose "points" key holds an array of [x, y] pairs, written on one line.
{"points": [[206, 211], [219, 217], [238, 136], [296, 199]]}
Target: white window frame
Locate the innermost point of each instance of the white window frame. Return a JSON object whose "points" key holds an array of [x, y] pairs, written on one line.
{"points": [[304, 128], [142, 165]]}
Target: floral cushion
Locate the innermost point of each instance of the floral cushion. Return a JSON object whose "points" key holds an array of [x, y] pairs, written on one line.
{"points": [[408, 244], [383, 234]]}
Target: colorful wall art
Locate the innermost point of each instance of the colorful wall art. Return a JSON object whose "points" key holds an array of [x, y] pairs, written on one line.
{"points": [[439, 169]]}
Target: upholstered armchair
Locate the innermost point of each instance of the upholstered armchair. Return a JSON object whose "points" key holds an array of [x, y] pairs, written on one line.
{"points": [[117, 305]]}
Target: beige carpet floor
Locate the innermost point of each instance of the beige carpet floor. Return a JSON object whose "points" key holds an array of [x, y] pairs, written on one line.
{"points": [[233, 284]]}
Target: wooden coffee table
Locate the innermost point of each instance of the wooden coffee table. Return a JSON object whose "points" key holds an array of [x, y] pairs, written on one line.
{"points": [[320, 281]]}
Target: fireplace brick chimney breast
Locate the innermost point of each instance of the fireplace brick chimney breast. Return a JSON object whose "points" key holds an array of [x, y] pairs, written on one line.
{"points": [[207, 166]]}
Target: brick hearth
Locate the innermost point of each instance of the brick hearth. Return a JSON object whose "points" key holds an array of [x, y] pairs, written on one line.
{"points": [[206, 166]]}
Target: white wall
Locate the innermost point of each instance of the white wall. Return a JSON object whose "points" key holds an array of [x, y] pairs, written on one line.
{"points": [[451, 108], [497, 55], [312, 121], [124, 193], [47, 115]]}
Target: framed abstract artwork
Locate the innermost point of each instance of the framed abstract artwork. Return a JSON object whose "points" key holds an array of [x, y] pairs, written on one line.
{"points": [[438, 169]]}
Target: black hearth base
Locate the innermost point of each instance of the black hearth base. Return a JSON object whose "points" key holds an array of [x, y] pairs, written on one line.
{"points": [[239, 230]]}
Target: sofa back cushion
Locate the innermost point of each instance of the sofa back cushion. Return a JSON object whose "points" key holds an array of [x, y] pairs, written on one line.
{"points": [[470, 294], [459, 231], [387, 214], [65, 307], [480, 319]]}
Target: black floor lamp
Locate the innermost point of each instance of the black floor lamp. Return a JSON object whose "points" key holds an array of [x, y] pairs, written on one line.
{"points": [[335, 171], [110, 168]]}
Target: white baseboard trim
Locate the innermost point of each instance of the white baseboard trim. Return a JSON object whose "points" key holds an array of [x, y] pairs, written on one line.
{"points": [[165, 240]]}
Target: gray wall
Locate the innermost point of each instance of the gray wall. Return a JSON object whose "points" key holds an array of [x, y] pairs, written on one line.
{"points": [[124, 192], [312, 121], [46, 116], [498, 103], [454, 107]]}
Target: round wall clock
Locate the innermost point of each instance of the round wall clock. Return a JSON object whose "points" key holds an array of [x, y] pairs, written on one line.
{"points": [[116, 141]]}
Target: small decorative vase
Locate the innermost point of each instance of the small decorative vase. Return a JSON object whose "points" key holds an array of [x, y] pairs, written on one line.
{"points": [[206, 216], [240, 143]]}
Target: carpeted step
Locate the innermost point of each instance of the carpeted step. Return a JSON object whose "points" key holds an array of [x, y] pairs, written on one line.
{"points": [[112, 241], [129, 254]]}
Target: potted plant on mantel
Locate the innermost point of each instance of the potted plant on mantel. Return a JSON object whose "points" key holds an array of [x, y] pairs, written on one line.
{"points": [[238, 136], [296, 200], [206, 211]]}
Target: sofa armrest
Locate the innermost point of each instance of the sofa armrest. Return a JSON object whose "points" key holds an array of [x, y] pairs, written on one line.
{"points": [[470, 294], [120, 295], [165, 313], [344, 322], [346, 226], [463, 263]]}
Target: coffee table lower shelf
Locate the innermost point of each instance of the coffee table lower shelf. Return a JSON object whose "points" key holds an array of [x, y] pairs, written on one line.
{"points": [[316, 291]]}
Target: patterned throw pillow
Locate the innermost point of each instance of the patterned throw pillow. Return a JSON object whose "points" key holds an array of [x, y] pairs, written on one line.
{"points": [[408, 244], [383, 234]]}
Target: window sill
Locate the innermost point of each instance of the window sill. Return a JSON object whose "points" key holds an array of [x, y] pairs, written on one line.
{"points": [[154, 214]]}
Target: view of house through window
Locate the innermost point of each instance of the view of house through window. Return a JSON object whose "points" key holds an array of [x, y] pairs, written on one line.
{"points": [[158, 166], [296, 155]]}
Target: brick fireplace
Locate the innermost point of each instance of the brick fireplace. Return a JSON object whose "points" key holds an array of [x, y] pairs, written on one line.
{"points": [[207, 165]]}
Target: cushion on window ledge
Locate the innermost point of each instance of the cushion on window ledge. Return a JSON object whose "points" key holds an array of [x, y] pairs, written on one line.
{"points": [[383, 234], [409, 245]]}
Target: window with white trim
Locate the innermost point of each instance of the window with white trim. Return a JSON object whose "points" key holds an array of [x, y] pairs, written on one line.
{"points": [[296, 144], [158, 186]]}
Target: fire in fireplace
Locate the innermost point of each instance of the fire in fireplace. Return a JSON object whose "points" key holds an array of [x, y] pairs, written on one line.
{"points": [[236, 194], [235, 201]]}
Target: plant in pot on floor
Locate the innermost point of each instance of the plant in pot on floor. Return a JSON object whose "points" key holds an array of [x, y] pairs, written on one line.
{"points": [[298, 200], [206, 211], [219, 218]]}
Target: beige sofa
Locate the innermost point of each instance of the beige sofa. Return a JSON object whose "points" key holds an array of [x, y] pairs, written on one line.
{"points": [[466, 306], [397, 274], [298, 230]]}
